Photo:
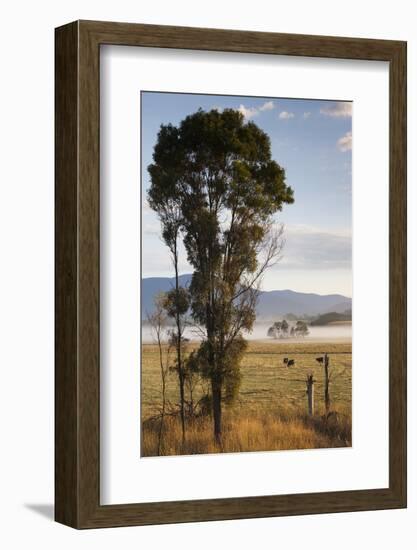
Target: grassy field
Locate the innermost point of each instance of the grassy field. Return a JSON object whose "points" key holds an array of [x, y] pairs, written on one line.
{"points": [[270, 412]]}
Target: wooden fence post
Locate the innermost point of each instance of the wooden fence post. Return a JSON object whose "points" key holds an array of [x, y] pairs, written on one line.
{"points": [[326, 383], [310, 394]]}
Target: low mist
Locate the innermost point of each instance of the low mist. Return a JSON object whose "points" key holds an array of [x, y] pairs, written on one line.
{"points": [[329, 333]]}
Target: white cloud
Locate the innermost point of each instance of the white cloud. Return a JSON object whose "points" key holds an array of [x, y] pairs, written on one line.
{"points": [[345, 142], [307, 114], [285, 115], [308, 247], [248, 112], [340, 109], [268, 106], [252, 112]]}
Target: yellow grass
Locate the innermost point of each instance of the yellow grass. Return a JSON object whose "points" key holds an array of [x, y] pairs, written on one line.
{"points": [[270, 413], [257, 432]]}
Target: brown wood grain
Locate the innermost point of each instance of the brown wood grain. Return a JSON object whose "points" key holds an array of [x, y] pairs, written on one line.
{"points": [[66, 237], [77, 370]]}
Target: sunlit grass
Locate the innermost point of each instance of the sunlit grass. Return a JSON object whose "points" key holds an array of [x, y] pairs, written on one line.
{"points": [[254, 432]]}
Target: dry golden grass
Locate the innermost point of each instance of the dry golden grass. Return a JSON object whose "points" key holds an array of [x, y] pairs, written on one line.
{"points": [[257, 432], [270, 413]]}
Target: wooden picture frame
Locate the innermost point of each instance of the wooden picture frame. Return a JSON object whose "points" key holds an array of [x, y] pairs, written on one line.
{"points": [[77, 374]]}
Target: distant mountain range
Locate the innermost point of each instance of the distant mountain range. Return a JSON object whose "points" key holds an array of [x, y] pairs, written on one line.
{"points": [[271, 303]]}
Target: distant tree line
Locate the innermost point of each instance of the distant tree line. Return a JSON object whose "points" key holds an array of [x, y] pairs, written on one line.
{"points": [[294, 317], [332, 317], [282, 329]]}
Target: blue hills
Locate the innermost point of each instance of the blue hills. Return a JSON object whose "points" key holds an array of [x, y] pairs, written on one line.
{"points": [[271, 303]]}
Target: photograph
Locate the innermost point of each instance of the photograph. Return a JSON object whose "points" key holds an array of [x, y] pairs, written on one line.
{"points": [[246, 274]]}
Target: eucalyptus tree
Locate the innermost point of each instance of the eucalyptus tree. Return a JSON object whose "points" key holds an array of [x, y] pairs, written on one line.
{"points": [[301, 328], [215, 176]]}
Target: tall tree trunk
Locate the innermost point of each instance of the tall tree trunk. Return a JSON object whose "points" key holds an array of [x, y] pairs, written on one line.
{"points": [[182, 411], [157, 320], [217, 410], [179, 344], [161, 427]]}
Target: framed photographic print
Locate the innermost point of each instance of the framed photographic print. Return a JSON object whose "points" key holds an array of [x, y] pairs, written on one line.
{"points": [[230, 274]]}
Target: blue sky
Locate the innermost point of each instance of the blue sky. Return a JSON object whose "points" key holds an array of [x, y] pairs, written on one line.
{"points": [[312, 140]]}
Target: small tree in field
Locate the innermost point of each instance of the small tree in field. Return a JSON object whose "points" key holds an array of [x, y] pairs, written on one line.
{"points": [[216, 172], [279, 329], [275, 330], [177, 304], [272, 332], [158, 323], [301, 329]]}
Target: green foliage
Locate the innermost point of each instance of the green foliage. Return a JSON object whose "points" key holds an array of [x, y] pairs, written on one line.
{"points": [[274, 331], [177, 302], [301, 328], [233, 376], [332, 317], [271, 332]]}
